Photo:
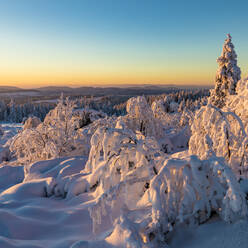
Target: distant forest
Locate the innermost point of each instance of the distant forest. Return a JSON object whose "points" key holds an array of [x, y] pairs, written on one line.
{"points": [[14, 111]]}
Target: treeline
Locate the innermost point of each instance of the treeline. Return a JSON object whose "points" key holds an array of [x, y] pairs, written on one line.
{"points": [[190, 99], [111, 105], [12, 112]]}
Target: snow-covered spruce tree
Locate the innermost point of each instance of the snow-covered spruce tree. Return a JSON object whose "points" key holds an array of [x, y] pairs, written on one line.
{"points": [[227, 76]]}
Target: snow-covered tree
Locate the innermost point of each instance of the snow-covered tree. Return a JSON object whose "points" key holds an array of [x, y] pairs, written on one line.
{"points": [[188, 191], [238, 103], [55, 137], [215, 132], [227, 76]]}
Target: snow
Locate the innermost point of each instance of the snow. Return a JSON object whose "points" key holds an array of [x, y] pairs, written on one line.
{"points": [[214, 233]]}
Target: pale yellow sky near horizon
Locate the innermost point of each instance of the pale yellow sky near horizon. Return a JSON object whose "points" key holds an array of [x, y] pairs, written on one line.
{"points": [[74, 43]]}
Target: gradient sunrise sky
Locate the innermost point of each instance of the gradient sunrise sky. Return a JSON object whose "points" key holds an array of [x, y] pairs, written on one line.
{"points": [[97, 42]]}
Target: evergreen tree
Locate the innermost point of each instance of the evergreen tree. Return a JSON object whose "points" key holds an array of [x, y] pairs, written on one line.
{"points": [[12, 114], [227, 76]]}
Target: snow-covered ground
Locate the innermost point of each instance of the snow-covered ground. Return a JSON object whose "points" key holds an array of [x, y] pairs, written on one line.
{"points": [[10, 130], [28, 218]]}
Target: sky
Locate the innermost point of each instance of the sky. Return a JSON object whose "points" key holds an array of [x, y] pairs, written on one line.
{"points": [[107, 42]]}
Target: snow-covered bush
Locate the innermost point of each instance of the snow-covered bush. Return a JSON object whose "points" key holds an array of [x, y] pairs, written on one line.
{"points": [[167, 120], [55, 137], [189, 191], [221, 133], [239, 103], [140, 118], [121, 163], [119, 154], [87, 132], [227, 76]]}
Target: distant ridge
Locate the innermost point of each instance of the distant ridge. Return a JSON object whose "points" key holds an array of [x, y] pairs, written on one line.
{"points": [[129, 90], [9, 88]]}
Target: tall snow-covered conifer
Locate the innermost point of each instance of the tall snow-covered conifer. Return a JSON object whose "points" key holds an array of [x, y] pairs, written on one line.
{"points": [[227, 76]]}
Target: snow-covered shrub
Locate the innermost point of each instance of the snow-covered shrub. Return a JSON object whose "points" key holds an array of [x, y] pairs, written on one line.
{"points": [[145, 119], [158, 108], [239, 103], [55, 137], [31, 122], [119, 154], [87, 132], [167, 120], [140, 117], [227, 76], [175, 126], [222, 133], [188, 191], [121, 163]]}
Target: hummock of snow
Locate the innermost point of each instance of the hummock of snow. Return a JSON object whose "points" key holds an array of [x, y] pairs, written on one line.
{"points": [[214, 233]]}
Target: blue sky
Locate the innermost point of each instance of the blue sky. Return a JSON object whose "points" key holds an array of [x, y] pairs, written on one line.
{"points": [[72, 42]]}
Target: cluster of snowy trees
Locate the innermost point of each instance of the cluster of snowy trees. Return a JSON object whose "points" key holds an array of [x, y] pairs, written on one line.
{"points": [[133, 161], [182, 99], [176, 101], [58, 135], [12, 112]]}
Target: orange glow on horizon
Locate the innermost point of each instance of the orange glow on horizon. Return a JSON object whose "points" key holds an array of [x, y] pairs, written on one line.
{"points": [[75, 79]]}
